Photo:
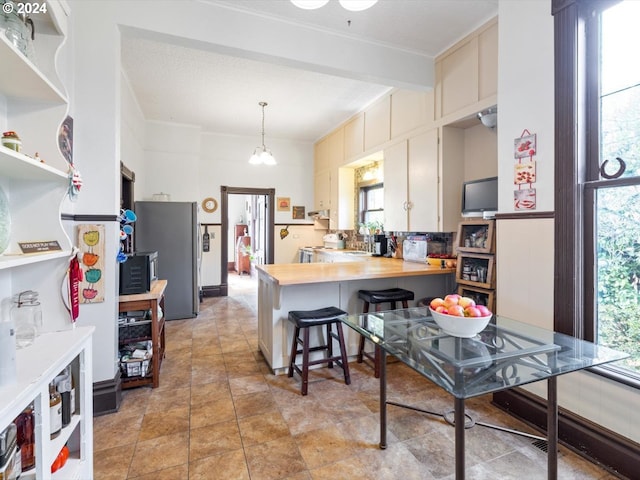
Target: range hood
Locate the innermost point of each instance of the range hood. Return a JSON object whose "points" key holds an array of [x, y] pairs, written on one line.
{"points": [[319, 214]]}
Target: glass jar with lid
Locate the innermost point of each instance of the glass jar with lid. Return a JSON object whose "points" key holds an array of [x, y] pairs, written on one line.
{"points": [[26, 314]]}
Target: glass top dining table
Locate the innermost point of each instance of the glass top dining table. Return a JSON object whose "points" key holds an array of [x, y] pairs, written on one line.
{"points": [[506, 354]]}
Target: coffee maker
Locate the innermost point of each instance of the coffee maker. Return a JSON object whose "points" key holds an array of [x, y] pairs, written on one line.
{"points": [[379, 245]]}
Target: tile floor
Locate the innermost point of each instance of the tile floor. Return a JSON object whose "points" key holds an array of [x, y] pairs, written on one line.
{"points": [[220, 414]]}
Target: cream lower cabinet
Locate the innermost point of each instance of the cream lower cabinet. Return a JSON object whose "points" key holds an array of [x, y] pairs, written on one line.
{"points": [[411, 184]]}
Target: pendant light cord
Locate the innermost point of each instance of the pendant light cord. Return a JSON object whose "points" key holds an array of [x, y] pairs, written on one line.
{"points": [[263, 104]]}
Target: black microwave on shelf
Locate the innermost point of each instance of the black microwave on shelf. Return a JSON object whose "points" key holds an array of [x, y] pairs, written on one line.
{"points": [[138, 272]]}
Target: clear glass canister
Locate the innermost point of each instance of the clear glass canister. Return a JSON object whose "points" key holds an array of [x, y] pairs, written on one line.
{"points": [[26, 314]]}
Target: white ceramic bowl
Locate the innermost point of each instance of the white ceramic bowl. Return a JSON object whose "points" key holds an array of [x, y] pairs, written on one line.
{"points": [[465, 327]]}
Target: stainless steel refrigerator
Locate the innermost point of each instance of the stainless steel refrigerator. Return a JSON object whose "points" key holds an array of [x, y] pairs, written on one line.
{"points": [[171, 229]]}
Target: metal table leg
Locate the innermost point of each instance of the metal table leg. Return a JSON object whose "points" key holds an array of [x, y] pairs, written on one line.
{"points": [[552, 429], [459, 426], [382, 355]]}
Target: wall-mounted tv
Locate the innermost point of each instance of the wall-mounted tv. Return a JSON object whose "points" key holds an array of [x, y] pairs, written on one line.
{"points": [[480, 197]]}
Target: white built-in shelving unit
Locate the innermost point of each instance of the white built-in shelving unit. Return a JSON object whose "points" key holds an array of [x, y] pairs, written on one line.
{"points": [[33, 103]]}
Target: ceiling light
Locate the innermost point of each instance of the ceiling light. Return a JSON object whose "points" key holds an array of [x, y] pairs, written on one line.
{"points": [[357, 5], [351, 5], [309, 4], [489, 117], [262, 155]]}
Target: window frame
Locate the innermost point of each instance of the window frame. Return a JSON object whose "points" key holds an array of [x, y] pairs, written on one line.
{"points": [[363, 188], [577, 121]]}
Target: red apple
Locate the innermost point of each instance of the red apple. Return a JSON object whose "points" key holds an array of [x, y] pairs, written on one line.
{"points": [[441, 309], [466, 302], [456, 311], [472, 311], [483, 310], [436, 302], [453, 298]]}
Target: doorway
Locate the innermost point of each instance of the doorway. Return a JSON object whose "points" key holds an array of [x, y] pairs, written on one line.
{"points": [[260, 226]]}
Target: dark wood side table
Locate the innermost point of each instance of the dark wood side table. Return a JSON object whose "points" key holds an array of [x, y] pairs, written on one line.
{"points": [[148, 301]]}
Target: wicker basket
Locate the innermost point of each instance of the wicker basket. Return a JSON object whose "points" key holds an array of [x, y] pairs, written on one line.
{"points": [[134, 331]]}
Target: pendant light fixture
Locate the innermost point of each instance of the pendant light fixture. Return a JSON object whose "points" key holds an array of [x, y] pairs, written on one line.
{"points": [[351, 5], [489, 117], [262, 155]]}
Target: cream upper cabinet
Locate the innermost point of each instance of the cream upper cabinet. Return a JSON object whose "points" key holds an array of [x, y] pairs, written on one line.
{"points": [[321, 156], [451, 166], [354, 137], [342, 199], [421, 188], [377, 123], [468, 72], [488, 62], [410, 110], [335, 148], [423, 182], [322, 190], [396, 216]]}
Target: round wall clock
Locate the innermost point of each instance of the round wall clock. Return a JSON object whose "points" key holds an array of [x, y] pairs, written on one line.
{"points": [[209, 204]]}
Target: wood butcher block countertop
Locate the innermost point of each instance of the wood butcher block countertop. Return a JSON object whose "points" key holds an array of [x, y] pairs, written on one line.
{"points": [[303, 273]]}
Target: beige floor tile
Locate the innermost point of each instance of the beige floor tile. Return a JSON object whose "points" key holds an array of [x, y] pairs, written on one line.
{"points": [[159, 454], [220, 413], [324, 446], [159, 424], [222, 437], [116, 429], [112, 463], [274, 460], [171, 473], [254, 404], [210, 392], [159, 401], [227, 466], [347, 468], [249, 384], [209, 413], [262, 428]]}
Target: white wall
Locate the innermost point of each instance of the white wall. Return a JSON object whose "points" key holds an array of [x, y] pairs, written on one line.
{"points": [[525, 247]]}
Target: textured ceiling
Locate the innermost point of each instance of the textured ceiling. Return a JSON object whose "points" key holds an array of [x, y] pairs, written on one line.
{"points": [[220, 93]]}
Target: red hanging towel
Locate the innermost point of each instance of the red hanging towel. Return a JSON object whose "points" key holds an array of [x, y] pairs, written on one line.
{"points": [[75, 277]]}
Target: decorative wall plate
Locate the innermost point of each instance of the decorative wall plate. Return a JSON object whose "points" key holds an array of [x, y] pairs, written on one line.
{"points": [[209, 204]]}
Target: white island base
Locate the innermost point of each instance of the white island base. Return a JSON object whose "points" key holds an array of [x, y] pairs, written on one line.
{"points": [[275, 300]]}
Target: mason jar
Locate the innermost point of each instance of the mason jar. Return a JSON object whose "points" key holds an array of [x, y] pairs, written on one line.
{"points": [[27, 317]]}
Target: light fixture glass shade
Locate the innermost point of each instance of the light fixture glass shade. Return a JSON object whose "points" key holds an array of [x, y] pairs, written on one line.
{"points": [[309, 4], [262, 155], [357, 5], [267, 158], [489, 117], [255, 158]]}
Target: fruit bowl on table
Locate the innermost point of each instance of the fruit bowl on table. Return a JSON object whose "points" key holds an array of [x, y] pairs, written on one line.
{"points": [[459, 326]]}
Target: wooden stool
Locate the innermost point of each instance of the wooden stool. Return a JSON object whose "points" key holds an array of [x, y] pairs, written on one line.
{"points": [[377, 298], [303, 320]]}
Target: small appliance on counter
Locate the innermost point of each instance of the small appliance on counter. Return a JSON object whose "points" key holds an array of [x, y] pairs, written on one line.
{"points": [[379, 245], [414, 249], [138, 272], [334, 240]]}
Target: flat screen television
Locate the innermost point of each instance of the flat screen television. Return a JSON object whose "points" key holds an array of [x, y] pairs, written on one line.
{"points": [[480, 197]]}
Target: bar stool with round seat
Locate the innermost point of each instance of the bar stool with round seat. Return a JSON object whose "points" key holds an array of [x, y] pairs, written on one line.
{"points": [[377, 298], [303, 321]]}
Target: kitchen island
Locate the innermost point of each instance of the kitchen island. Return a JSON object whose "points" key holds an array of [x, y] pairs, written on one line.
{"points": [[308, 286]]}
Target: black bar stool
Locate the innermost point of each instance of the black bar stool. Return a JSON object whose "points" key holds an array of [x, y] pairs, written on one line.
{"points": [[377, 298], [303, 320]]}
